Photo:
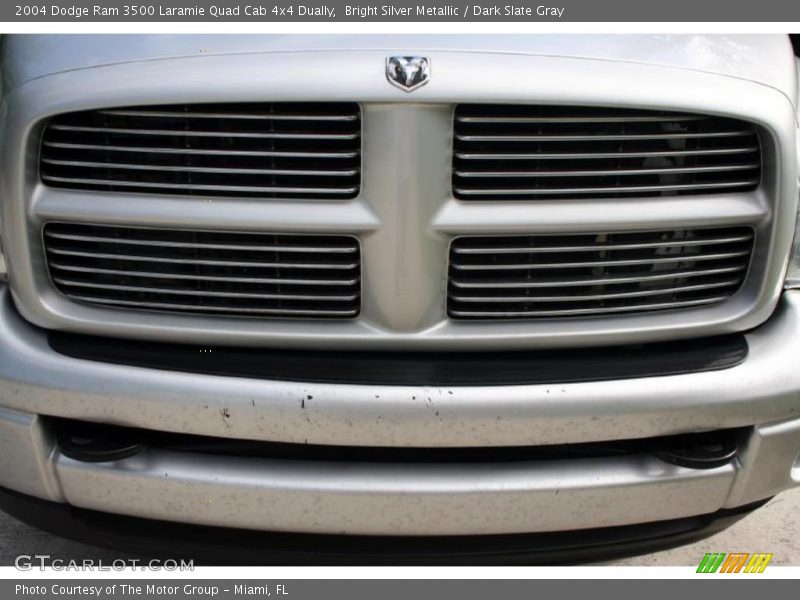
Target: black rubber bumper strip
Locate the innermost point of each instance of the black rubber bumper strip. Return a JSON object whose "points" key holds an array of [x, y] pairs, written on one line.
{"points": [[148, 539], [415, 368]]}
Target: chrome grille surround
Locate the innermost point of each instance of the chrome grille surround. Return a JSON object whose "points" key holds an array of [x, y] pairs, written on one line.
{"points": [[535, 152], [264, 150], [590, 275], [234, 274]]}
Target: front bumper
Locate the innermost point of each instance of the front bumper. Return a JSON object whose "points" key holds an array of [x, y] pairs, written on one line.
{"points": [[362, 498]]}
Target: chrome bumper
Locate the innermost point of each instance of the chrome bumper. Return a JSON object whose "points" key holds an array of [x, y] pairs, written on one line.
{"points": [[762, 393]]}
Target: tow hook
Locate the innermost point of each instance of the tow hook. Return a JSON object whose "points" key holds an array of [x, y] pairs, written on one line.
{"points": [[703, 455], [90, 443]]}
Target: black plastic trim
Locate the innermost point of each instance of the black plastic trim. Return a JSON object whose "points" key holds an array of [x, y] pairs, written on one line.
{"points": [[415, 368], [101, 442], [220, 546]]}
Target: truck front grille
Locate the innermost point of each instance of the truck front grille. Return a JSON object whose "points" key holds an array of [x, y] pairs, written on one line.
{"points": [[508, 152], [267, 150], [565, 275], [245, 274]]}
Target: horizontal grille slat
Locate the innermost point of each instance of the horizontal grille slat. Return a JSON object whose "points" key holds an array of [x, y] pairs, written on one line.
{"points": [[266, 150], [207, 188], [190, 151], [582, 311], [631, 246], [540, 283], [584, 274], [115, 165], [162, 290], [597, 119], [171, 306], [191, 261], [229, 115], [244, 274], [214, 134], [627, 189], [600, 263], [589, 281], [173, 244], [595, 155], [598, 137], [605, 172], [156, 275], [521, 152], [637, 294]]}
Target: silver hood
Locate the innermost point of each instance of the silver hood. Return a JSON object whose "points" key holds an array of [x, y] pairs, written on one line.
{"points": [[764, 59]]}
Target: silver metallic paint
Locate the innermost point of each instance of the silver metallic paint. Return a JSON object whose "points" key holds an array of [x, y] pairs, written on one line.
{"points": [[406, 203], [404, 218], [397, 498], [392, 499], [763, 389]]}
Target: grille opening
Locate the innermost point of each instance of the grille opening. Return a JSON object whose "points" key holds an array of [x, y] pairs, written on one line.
{"points": [[244, 274], [266, 150], [566, 275], [99, 437], [508, 152]]}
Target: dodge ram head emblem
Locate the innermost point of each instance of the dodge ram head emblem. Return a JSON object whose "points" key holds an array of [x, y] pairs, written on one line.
{"points": [[408, 72]]}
